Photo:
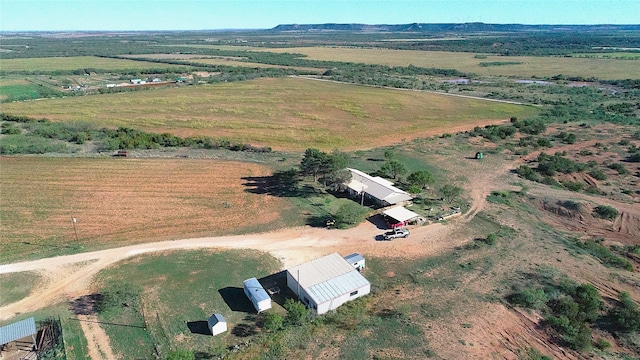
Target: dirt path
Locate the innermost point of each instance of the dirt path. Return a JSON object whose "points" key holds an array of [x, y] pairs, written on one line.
{"points": [[70, 276], [97, 339]]}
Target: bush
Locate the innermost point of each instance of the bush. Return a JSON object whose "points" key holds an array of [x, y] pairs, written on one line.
{"points": [[598, 174], [605, 212], [625, 315], [273, 321], [619, 168], [529, 298], [605, 255], [572, 185], [349, 214], [297, 313]]}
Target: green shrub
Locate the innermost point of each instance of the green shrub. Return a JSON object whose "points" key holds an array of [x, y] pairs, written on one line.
{"points": [[605, 255], [619, 168], [605, 212], [297, 313], [529, 298], [625, 315], [572, 185], [602, 344], [598, 174]]}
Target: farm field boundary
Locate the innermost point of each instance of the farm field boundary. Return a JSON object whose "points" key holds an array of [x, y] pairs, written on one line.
{"points": [[523, 66], [285, 113]]}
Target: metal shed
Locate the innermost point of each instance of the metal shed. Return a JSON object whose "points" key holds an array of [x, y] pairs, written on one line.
{"points": [[256, 293], [326, 283], [356, 260], [19, 330], [217, 324]]}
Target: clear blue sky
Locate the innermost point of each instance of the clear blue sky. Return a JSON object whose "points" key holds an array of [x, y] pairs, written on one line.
{"points": [[54, 15]]}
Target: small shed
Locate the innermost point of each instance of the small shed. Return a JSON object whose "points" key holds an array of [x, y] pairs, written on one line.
{"points": [[19, 331], [479, 155], [256, 293], [356, 260], [217, 324]]}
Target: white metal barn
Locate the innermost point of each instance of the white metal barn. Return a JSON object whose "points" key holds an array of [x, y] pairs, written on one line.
{"points": [[256, 293], [356, 260], [379, 190], [326, 283], [217, 324]]}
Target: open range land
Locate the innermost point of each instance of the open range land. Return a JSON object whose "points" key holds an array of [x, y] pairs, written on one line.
{"points": [[130, 214], [286, 114]]}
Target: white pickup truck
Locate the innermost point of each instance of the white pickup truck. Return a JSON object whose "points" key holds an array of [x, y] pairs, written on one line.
{"points": [[396, 233]]}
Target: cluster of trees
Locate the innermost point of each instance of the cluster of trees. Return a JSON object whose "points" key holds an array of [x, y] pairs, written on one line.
{"points": [[572, 310], [38, 136]]}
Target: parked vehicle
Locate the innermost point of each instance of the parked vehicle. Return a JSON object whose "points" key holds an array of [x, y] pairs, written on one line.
{"points": [[396, 233]]}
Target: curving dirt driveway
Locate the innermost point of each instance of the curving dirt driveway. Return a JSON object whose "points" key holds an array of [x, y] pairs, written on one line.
{"points": [[71, 275]]}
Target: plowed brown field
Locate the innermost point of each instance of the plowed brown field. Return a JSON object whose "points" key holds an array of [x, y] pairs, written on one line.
{"points": [[124, 201]]}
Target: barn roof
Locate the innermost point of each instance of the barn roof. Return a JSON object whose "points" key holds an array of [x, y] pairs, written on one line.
{"points": [[401, 213], [377, 187], [327, 277], [17, 330]]}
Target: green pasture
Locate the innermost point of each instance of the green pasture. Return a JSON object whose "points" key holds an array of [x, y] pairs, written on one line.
{"points": [[16, 286], [20, 92], [74, 63], [601, 68], [178, 288], [285, 113]]}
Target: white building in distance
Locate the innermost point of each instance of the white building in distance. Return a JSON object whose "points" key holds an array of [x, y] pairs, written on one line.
{"points": [[324, 284]]}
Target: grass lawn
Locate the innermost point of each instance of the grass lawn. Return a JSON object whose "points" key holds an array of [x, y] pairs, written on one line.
{"points": [[16, 286], [77, 62], [123, 201], [286, 114], [181, 289]]}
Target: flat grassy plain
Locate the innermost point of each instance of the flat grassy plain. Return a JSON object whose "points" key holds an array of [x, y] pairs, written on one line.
{"points": [[601, 68], [285, 113], [76, 62], [184, 287], [16, 286], [125, 201], [220, 60]]}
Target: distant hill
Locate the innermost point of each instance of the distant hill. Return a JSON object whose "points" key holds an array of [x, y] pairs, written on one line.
{"points": [[457, 27]]}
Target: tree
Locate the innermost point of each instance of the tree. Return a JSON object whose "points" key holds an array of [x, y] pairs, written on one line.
{"points": [[349, 213], [626, 314], [589, 300], [297, 313], [337, 180], [450, 192], [318, 163], [393, 168], [420, 178], [312, 162]]}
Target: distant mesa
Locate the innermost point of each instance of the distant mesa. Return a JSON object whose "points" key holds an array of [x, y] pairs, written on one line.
{"points": [[448, 27]]}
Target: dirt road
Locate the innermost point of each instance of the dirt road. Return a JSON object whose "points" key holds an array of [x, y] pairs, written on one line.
{"points": [[71, 275]]}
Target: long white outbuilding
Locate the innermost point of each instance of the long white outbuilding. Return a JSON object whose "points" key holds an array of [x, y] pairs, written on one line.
{"points": [[256, 293], [325, 283]]}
